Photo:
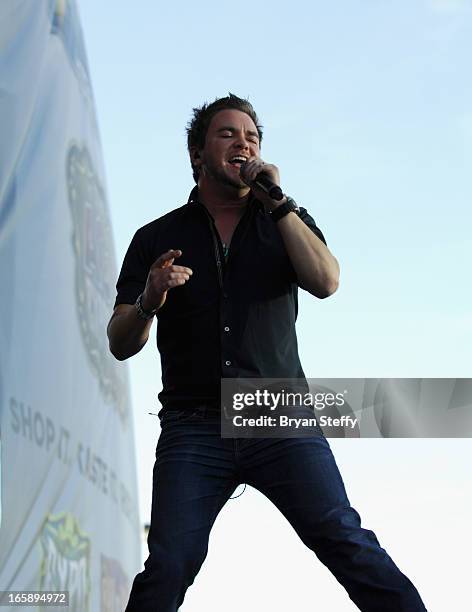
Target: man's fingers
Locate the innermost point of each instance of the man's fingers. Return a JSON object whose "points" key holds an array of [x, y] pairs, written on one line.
{"points": [[168, 276], [167, 258], [182, 269], [175, 282]]}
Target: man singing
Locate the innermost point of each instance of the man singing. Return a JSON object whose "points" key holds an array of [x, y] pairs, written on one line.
{"points": [[221, 275]]}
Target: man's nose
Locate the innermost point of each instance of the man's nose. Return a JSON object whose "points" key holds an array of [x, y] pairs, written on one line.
{"points": [[242, 142]]}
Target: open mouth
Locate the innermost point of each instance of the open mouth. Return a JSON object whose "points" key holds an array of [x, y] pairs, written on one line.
{"points": [[238, 160]]}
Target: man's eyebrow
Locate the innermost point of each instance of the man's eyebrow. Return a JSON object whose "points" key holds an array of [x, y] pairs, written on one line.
{"points": [[229, 128]]}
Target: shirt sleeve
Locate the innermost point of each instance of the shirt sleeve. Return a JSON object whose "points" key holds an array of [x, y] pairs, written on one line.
{"points": [[310, 222], [134, 271]]}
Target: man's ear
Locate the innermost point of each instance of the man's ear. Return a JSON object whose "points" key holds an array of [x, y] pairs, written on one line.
{"points": [[195, 157]]}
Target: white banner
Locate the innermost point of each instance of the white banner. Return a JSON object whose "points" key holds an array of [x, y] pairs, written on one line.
{"points": [[69, 492]]}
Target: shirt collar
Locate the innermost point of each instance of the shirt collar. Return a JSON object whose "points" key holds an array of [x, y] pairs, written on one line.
{"points": [[193, 199]]}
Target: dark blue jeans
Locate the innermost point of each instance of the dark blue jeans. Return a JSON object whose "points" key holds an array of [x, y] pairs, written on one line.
{"points": [[195, 473]]}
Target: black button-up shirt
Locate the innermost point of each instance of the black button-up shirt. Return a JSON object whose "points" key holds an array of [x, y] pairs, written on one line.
{"points": [[231, 319]]}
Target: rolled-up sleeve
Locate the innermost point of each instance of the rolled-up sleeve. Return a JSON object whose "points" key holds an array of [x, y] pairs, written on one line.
{"points": [[134, 271], [310, 222]]}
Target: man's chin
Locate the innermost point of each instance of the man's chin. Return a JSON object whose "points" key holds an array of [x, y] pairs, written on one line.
{"points": [[236, 183], [231, 182]]}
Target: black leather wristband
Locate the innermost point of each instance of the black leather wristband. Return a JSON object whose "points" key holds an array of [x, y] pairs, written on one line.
{"points": [[143, 314], [288, 206]]}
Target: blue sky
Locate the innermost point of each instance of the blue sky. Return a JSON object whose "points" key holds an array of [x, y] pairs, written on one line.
{"points": [[367, 109], [367, 113]]}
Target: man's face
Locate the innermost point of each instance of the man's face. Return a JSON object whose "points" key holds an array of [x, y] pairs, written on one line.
{"points": [[231, 136]]}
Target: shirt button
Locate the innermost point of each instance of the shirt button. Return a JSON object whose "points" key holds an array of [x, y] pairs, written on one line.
{"points": [[227, 362], [226, 329]]}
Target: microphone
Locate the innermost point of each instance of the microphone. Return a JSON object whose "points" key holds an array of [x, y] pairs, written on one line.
{"points": [[264, 182]]}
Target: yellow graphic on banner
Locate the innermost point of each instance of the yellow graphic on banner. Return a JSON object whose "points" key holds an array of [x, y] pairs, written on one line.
{"points": [[65, 565]]}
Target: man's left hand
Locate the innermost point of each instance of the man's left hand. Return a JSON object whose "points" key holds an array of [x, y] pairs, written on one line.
{"points": [[251, 169]]}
